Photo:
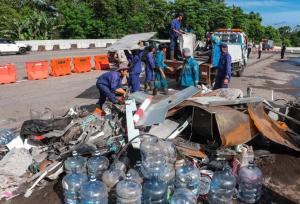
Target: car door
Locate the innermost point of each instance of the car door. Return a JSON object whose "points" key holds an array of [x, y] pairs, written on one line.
{"points": [[4, 46], [12, 46]]}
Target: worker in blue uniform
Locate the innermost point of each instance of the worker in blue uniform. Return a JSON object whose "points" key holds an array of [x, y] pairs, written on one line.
{"points": [[109, 84], [135, 68], [223, 69], [175, 32], [160, 68], [190, 71], [149, 60]]}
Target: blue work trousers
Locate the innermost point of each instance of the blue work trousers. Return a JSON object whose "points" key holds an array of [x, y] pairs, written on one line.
{"points": [[134, 80], [105, 92]]}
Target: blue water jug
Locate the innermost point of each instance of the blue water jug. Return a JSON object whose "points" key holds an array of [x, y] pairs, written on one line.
{"points": [[75, 163], [129, 191], [183, 196], [71, 184], [222, 187], [154, 191], [250, 183], [97, 164], [94, 192]]}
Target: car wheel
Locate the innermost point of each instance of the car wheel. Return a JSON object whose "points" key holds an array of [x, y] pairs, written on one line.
{"points": [[22, 50]]}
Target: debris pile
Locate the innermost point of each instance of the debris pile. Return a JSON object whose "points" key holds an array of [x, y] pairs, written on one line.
{"points": [[186, 147]]}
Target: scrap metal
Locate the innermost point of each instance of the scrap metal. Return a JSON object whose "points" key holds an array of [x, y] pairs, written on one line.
{"points": [[156, 113], [269, 128], [130, 42]]}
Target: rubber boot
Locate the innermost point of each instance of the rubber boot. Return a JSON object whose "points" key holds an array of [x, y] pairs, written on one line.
{"points": [[150, 85], [172, 55], [166, 91], [146, 87], [154, 92]]}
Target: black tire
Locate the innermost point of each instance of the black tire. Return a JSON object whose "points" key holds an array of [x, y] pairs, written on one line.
{"points": [[22, 50], [241, 71]]}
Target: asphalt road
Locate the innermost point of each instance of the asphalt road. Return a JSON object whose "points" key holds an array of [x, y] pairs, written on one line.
{"points": [[20, 60]]}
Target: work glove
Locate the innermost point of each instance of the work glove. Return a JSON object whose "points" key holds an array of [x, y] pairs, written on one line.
{"points": [[120, 100]]}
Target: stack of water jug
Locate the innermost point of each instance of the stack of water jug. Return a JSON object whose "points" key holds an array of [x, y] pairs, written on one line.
{"points": [[154, 179]]}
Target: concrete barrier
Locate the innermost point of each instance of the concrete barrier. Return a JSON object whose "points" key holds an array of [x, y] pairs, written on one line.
{"points": [[67, 44]]}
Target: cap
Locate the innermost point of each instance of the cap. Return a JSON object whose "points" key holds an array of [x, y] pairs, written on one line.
{"points": [[186, 51], [224, 45]]}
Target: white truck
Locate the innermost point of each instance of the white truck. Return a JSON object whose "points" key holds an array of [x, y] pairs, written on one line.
{"points": [[237, 48], [9, 46]]}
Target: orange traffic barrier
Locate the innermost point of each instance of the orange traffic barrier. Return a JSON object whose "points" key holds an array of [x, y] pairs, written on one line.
{"points": [[60, 67], [101, 62], [8, 73], [82, 64], [37, 70]]}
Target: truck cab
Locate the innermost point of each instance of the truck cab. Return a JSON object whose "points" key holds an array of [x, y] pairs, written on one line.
{"points": [[237, 48]]}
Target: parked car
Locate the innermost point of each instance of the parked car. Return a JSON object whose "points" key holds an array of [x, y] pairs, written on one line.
{"points": [[10, 46]]}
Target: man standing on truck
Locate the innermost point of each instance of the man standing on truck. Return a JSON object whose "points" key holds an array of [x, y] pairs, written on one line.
{"points": [[190, 72], [175, 32], [223, 69]]}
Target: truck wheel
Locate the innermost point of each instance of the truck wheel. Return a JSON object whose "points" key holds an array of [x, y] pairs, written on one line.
{"points": [[240, 72], [22, 50]]}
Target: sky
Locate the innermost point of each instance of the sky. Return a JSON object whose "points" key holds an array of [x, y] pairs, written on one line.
{"points": [[274, 12]]}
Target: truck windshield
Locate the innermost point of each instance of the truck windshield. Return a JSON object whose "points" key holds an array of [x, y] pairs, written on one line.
{"points": [[230, 37]]}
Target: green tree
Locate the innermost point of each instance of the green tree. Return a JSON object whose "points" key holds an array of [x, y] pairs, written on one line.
{"points": [[79, 21]]}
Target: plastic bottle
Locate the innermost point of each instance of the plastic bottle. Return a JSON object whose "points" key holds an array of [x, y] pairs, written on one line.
{"points": [[168, 174], [136, 176], [117, 164], [170, 151], [222, 187], [112, 176], [71, 184], [76, 163], [151, 146], [247, 156], [97, 164], [129, 191], [188, 177], [183, 196], [153, 166], [138, 166], [94, 192], [250, 183], [154, 191], [6, 136]]}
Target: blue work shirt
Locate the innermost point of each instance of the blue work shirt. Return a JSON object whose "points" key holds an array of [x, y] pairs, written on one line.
{"points": [[159, 60], [175, 24], [135, 60], [190, 73], [224, 66], [216, 45], [160, 81], [150, 65], [111, 79]]}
